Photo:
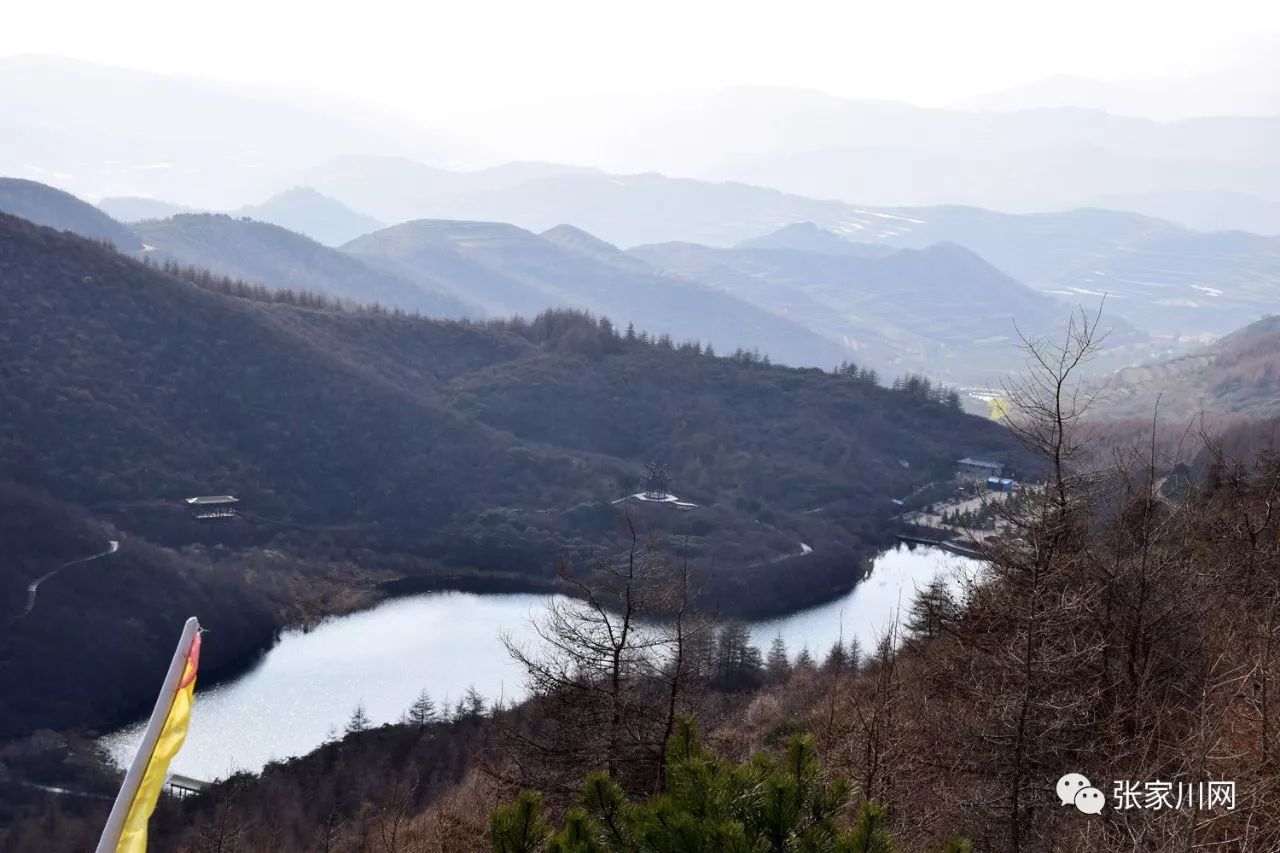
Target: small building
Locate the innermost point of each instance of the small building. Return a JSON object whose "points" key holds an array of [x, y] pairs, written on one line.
{"points": [[999, 484], [209, 507], [976, 470]]}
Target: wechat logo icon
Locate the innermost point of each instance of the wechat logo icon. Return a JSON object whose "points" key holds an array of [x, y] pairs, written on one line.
{"points": [[1074, 789]]}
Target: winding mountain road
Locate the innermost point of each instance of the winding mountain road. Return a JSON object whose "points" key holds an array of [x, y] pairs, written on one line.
{"points": [[34, 586]]}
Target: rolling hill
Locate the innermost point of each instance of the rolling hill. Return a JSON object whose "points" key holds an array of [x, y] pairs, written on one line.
{"points": [[807, 237], [131, 209], [307, 212], [54, 208], [441, 447], [397, 189], [508, 270], [940, 310], [1161, 277], [278, 258], [1237, 376]]}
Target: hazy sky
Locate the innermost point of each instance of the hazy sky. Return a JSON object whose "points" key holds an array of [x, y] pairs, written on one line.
{"points": [[421, 57]]}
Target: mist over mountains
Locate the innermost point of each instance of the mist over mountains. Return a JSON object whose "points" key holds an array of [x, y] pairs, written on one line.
{"points": [[101, 131], [509, 334], [785, 236], [942, 291]]}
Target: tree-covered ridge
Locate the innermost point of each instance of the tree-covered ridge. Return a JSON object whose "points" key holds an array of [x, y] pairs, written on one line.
{"points": [[284, 260], [461, 447], [54, 208]]}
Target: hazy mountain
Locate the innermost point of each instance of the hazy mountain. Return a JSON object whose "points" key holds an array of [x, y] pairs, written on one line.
{"points": [[941, 310], [397, 189], [1203, 210], [54, 208], [301, 209], [1243, 93], [99, 131], [491, 447], [807, 237], [627, 210], [892, 154], [508, 270], [1049, 177], [306, 211], [1164, 278], [1161, 277], [268, 254], [1238, 375], [136, 209]]}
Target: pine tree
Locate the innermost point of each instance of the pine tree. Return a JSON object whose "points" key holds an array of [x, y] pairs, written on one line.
{"points": [[710, 804], [855, 656], [836, 658], [804, 660], [359, 721], [777, 667], [519, 827], [422, 712], [933, 611], [870, 836], [473, 704]]}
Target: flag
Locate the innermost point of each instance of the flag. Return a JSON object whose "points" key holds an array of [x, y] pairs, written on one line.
{"points": [[126, 830]]}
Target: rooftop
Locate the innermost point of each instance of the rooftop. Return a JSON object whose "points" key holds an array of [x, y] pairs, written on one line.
{"points": [[979, 463], [212, 500]]}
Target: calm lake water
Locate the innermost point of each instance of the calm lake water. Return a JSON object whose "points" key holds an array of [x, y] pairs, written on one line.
{"points": [[305, 688]]}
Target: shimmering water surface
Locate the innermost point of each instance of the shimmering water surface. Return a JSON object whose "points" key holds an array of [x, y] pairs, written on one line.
{"points": [[305, 688]]}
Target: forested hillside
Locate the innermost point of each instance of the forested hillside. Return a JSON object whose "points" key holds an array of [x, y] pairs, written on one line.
{"points": [[69, 652], [282, 259], [508, 270], [1121, 635], [459, 447], [1237, 376], [54, 208]]}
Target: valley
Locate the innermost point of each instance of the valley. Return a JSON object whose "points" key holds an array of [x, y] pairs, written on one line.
{"points": [[577, 429]]}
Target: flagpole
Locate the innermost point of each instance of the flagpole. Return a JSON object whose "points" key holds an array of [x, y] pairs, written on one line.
{"points": [[129, 788]]}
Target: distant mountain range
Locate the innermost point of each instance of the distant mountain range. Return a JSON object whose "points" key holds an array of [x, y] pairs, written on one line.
{"points": [[1203, 210], [397, 189], [130, 209], [1160, 277], [941, 310], [1244, 92], [306, 211], [804, 293], [507, 270], [100, 132], [301, 209], [807, 237]]}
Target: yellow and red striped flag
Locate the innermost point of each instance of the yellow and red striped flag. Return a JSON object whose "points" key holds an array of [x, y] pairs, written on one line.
{"points": [[126, 829]]}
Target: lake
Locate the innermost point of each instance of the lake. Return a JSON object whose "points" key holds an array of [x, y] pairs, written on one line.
{"points": [[304, 689]]}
